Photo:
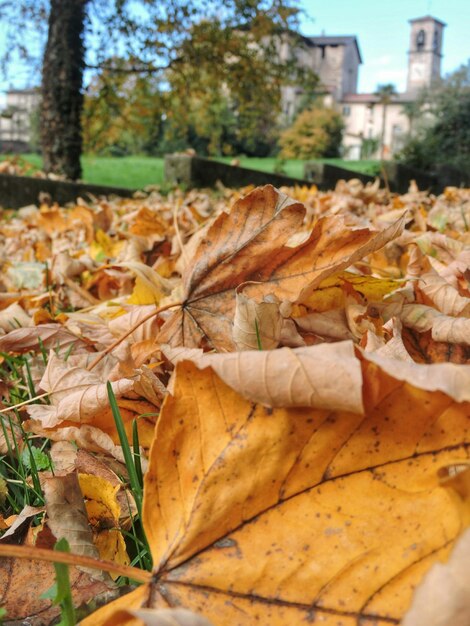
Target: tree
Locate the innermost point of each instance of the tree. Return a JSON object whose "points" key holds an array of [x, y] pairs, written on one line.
{"points": [[61, 89], [443, 137], [191, 46], [385, 93], [316, 132]]}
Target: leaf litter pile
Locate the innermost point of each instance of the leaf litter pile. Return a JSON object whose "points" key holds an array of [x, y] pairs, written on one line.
{"points": [[237, 407]]}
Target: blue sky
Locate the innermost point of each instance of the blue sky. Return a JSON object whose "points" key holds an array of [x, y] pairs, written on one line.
{"points": [[382, 29]]}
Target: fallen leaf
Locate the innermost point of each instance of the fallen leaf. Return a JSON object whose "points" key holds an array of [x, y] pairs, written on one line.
{"points": [[443, 327], [52, 336], [104, 512], [281, 516], [250, 245], [256, 325], [285, 377], [66, 514], [157, 617], [443, 597]]}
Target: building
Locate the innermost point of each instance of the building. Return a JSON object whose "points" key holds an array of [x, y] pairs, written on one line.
{"points": [[372, 128], [16, 119]]}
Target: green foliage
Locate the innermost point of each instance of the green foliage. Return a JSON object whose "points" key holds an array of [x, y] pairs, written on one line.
{"points": [[39, 458], [61, 592], [317, 132], [443, 137]]}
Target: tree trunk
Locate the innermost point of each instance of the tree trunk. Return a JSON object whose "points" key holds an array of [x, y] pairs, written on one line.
{"points": [[62, 97]]}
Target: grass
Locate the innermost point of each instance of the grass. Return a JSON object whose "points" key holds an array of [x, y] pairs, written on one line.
{"points": [[295, 167], [136, 172]]}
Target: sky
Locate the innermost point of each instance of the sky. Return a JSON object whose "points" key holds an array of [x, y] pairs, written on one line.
{"points": [[383, 32], [381, 27]]}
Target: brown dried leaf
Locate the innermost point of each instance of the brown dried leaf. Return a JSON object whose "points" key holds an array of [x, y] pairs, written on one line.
{"points": [[256, 325], [66, 513], [250, 245]]}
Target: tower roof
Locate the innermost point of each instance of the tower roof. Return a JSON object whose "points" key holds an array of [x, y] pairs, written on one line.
{"points": [[427, 18]]}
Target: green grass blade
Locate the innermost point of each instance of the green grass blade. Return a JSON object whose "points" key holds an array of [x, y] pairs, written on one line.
{"points": [[258, 336], [128, 457], [136, 446]]}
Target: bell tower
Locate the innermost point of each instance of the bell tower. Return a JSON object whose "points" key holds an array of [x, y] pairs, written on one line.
{"points": [[425, 53]]}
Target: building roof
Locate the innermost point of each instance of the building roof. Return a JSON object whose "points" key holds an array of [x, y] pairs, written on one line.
{"points": [[427, 18], [335, 40], [372, 98], [29, 90]]}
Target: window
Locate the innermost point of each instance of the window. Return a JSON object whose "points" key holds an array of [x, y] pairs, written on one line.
{"points": [[420, 40], [436, 41], [346, 111]]}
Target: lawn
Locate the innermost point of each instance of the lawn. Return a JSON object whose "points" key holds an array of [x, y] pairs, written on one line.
{"points": [[295, 167], [136, 172]]}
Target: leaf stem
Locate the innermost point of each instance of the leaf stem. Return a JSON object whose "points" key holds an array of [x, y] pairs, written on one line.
{"points": [[129, 332], [42, 554]]}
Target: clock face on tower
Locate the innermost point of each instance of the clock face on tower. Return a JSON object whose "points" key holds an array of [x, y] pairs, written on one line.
{"points": [[417, 71]]}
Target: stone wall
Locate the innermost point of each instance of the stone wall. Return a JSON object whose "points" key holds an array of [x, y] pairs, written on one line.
{"points": [[198, 172], [18, 191]]}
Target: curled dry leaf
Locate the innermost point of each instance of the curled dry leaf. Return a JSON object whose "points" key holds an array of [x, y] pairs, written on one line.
{"points": [[256, 325], [394, 348], [443, 327], [279, 516], [328, 324], [52, 336], [85, 437], [299, 377], [78, 395], [443, 295], [250, 245]]}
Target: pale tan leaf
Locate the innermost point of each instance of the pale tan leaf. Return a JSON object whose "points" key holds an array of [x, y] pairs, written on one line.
{"points": [[328, 324], [290, 336], [443, 327], [256, 324], [443, 597], [85, 437], [122, 324], [64, 456], [451, 379], [76, 394], [394, 348], [443, 295], [322, 376], [26, 339], [14, 316]]}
